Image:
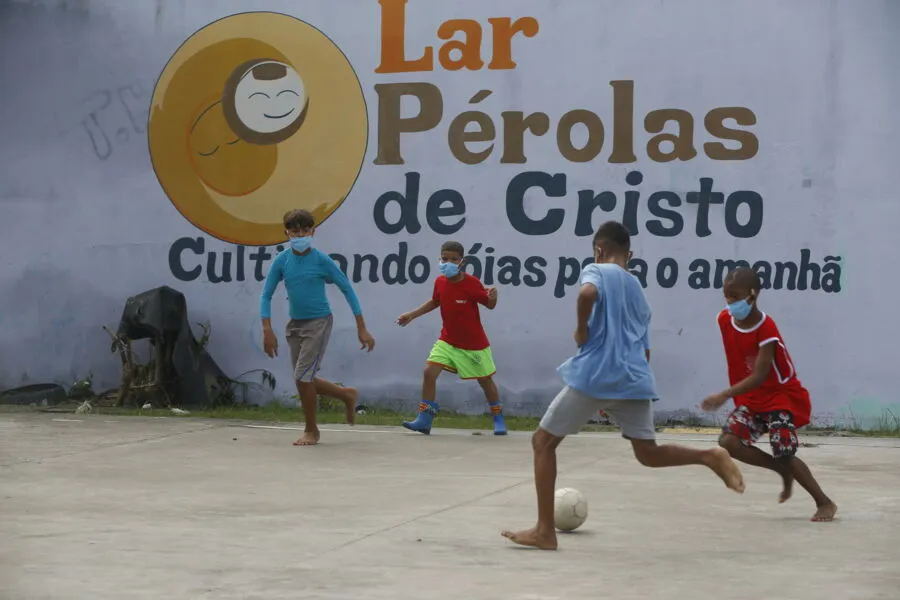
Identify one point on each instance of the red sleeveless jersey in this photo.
(782, 389)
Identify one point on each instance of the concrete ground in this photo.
(96, 507)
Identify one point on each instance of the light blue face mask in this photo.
(740, 310)
(449, 269)
(301, 244)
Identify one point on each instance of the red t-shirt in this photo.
(459, 310)
(781, 389)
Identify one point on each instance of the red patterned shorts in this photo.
(749, 426)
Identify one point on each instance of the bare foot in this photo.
(787, 491)
(825, 513)
(532, 538)
(727, 470)
(309, 438)
(350, 403)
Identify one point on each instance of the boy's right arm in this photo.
(587, 297)
(757, 377)
(427, 307)
(406, 318)
(273, 277)
(591, 280)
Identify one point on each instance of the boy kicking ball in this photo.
(609, 372)
(463, 347)
(768, 397)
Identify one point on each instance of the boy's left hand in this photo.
(713, 402)
(492, 293)
(367, 342)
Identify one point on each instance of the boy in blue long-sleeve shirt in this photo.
(305, 271)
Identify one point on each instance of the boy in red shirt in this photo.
(463, 347)
(768, 397)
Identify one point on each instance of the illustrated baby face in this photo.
(265, 101)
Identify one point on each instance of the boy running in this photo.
(609, 372)
(305, 270)
(768, 397)
(463, 348)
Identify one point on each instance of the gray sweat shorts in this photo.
(571, 410)
(308, 339)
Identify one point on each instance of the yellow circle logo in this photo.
(256, 114)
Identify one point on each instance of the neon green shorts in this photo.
(468, 364)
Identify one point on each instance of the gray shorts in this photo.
(308, 339)
(571, 410)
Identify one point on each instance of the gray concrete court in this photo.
(97, 507)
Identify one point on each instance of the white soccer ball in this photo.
(571, 509)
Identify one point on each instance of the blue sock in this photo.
(499, 422)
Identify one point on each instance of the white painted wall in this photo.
(84, 223)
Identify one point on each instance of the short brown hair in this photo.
(298, 219)
(614, 236)
(745, 277)
(454, 247)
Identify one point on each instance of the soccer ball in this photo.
(571, 509)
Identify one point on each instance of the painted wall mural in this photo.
(181, 133)
(254, 115)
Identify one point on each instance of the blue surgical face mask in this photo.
(740, 310)
(301, 244)
(449, 269)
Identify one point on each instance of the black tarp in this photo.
(160, 315)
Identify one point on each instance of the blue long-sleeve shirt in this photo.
(304, 277)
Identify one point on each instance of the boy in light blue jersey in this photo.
(609, 372)
(305, 271)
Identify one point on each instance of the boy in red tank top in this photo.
(768, 397)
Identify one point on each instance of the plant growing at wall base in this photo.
(82, 388)
(141, 381)
(228, 396)
(156, 382)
